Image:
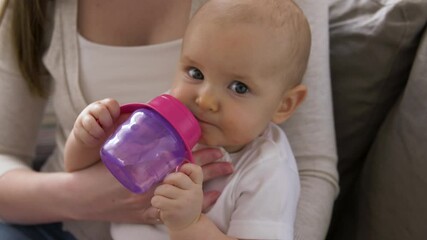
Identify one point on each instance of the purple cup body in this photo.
(143, 150)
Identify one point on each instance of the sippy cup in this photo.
(155, 140)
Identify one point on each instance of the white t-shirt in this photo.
(258, 201)
(143, 71)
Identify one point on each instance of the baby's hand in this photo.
(180, 197)
(96, 122)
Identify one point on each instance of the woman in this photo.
(127, 50)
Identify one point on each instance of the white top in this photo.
(146, 70)
(258, 201)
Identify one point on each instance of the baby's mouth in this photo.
(202, 121)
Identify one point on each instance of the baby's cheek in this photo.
(211, 138)
(205, 140)
(243, 134)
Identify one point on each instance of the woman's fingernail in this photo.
(218, 154)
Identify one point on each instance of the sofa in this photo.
(378, 58)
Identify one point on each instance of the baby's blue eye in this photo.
(239, 87)
(195, 73)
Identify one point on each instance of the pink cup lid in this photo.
(176, 113)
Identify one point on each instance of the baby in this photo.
(240, 74)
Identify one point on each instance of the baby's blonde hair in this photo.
(283, 17)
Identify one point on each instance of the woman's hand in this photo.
(206, 159)
(94, 194)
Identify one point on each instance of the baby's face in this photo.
(232, 80)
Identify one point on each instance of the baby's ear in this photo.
(290, 101)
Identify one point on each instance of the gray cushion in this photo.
(373, 44)
(393, 185)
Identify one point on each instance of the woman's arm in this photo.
(311, 133)
(31, 197)
(91, 194)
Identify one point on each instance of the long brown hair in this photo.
(29, 18)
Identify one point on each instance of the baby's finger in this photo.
(90, 124)
(168, 191)
(179, 180)
(113, 107)
(104, 119)
(163, 203)
(84, 136)
(193, 171)
(101, 113)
